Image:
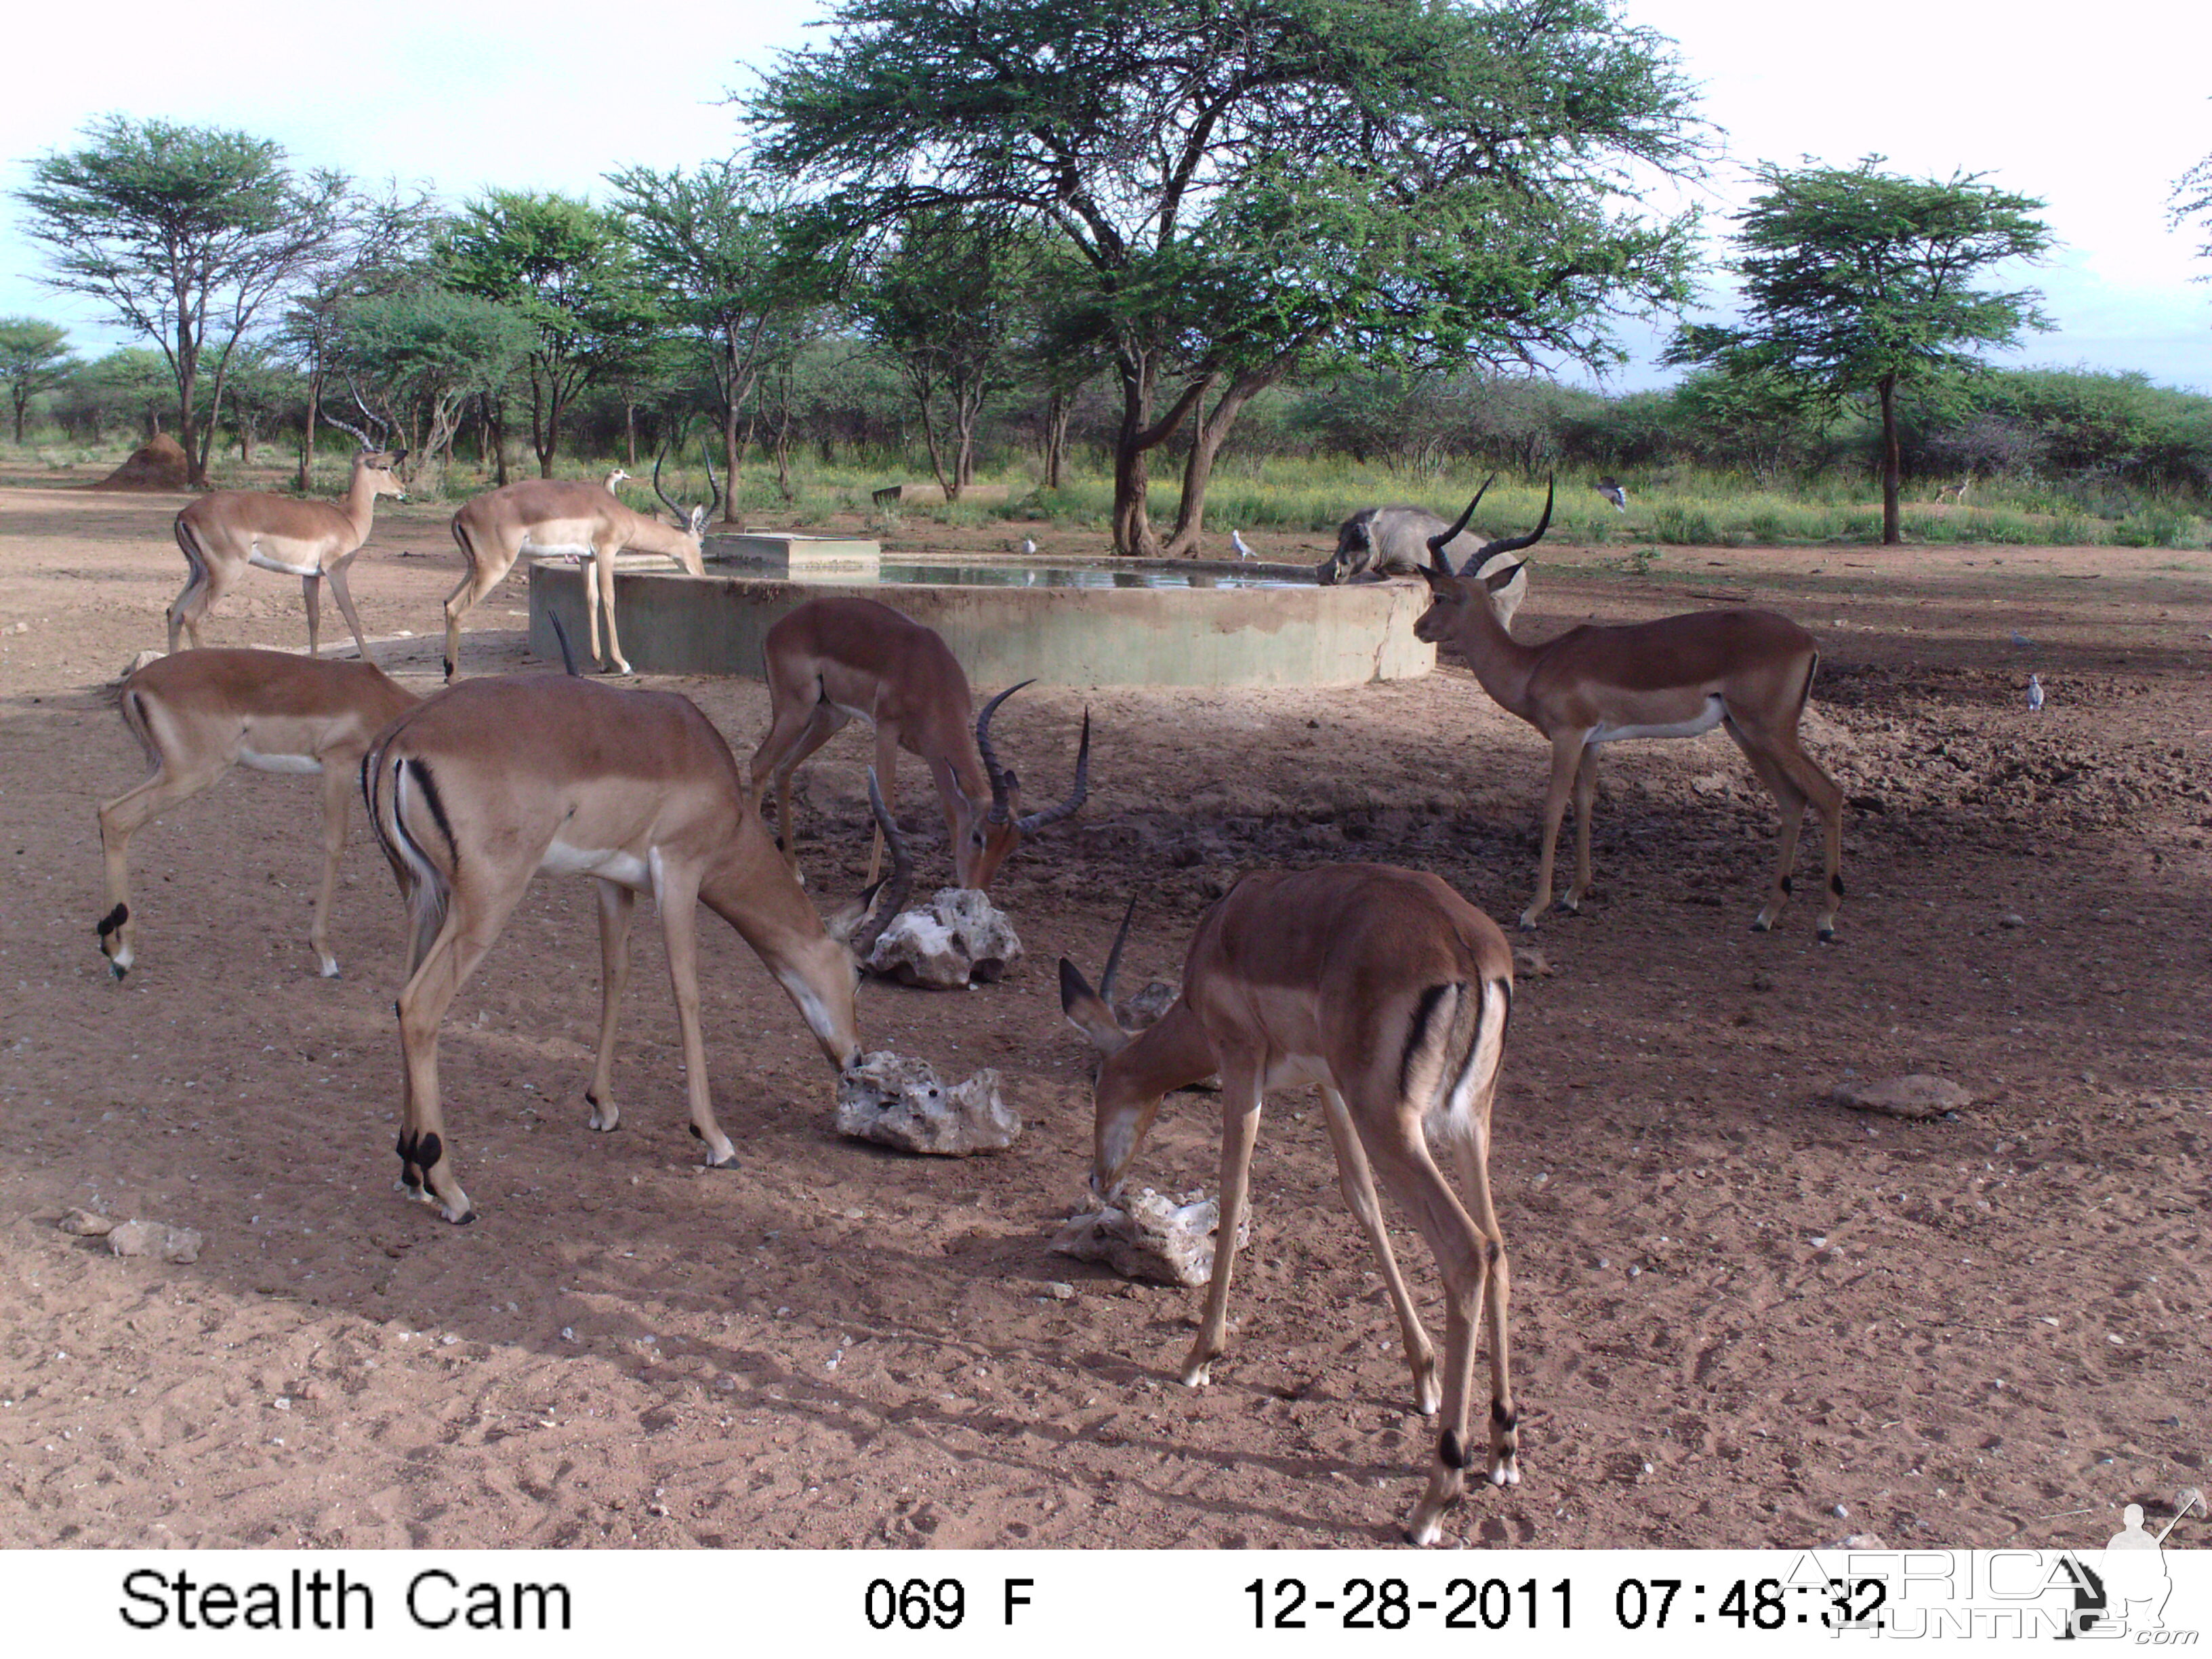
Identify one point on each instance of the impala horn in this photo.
(1003, 783)
(682, 517)
(714, 489)
(880, 904)
(1113, 956)
(1438, 558)
(1515, 543)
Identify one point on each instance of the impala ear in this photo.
(1498, 581)
(1088, 1012)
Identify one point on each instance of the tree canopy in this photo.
(34, 357)
(184, 234)
(1859, 282)
(1256, 184)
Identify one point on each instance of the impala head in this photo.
(1450, 594)
(693, 519)
(988, 832)
(1122, 1115)
(382, 468)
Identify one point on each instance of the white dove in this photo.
(1028, 546)
(1237, 541)
(2034, 694)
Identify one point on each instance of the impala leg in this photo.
(887, 786)
(207, 583)
(339, 775)
(1585, 800)
(678, 900)
(1791, 801)
(1566, 758)
(1401, 1158)
(816, 726)
(338, 574)
(120, 820)
(478, 580)
(617, 907)
(1240, 1127)
(473, 918)
(311, 594)
(1474, 1155)
(602, 585)
(1356, 1182)
(1827, 799)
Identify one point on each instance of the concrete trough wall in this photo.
(673, 623)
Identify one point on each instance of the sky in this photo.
(2098, 118)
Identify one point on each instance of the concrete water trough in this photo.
(1107, 623)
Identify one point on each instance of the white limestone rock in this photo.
(1150, 1237)
(1918, 1096)
(898, 1101)
(155, 1238)
(957, 939)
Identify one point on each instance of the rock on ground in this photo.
(155, 1238)
(959, 939)
(1150, 1237)
(1918, 1094)
(899, 1102)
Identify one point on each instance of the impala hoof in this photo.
(1527, 922)
(329, 968)
(1827, 935)
(117, 969)
(1761, 924)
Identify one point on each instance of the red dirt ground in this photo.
(1740, 1316)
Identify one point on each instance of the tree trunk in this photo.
(306, 479)
(1212, 430)
(1132, 476)
(1892, 534)
(629, 429)
(1058, 410)
(21, 397)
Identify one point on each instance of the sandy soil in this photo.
(1740, 1317)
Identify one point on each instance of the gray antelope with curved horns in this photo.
(834, 660)
(477, 789)
(223, 534)
(570, 519)
(1391, 993)
(1749, 671)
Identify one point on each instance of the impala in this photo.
(561, 518)
(1391, 993)
(834, 659)
(223, 533)
(477, 789)
(1747, 671)
(200, 713)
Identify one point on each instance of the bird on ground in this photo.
(1028, 546)
(1237, 541)
(2019, 638)
(1613, 493)
(2035, 695)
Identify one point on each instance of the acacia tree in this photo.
(568, 269)
(34, 357)
(423, 353)
(1858, 283)
(184, 234)
(1254, 184)
(723, 248)
(944, 306)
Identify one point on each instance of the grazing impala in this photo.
(481, 788)
(223, 533)
(200, 713)
(1749, 671)
(559, 517)
(1391, 993)
(834, 659)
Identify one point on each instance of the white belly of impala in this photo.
(625, 869)
(578, 550)
(1290, 1071)
(257, 557)
(1715, 711)
(300, 764)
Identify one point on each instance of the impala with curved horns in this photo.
(833, 660)
(1749, 671)
(569, 518)
(222, 534)
(1391, 993)
(479, 788)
